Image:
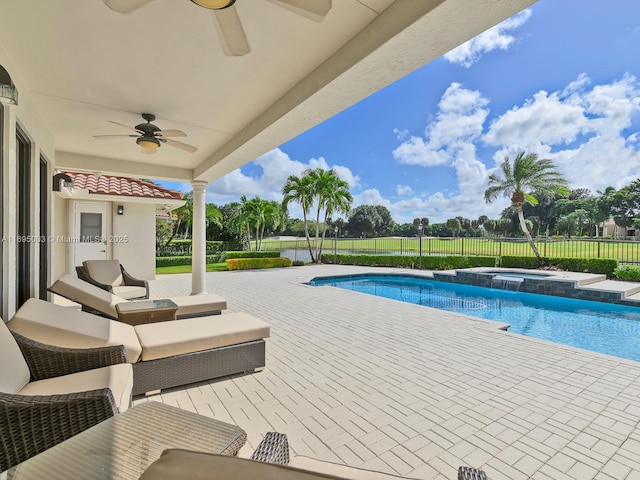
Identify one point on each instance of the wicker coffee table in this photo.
(125, 445)
(139, 312)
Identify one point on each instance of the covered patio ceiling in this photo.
(83, 64)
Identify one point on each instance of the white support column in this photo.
(198, 245)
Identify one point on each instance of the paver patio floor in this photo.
(405, 389)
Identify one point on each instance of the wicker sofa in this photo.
(101, 302)
(49, 394)
(176, 464)
(111, 276)
(165, 354)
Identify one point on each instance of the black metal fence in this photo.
(625, 251)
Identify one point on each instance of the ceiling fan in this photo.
(234, 40)
(150, 137)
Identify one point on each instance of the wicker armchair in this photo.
(31, 422)
(111, 276)
(274, 448)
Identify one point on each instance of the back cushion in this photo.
(104, 271)
(14, 371)
(87, 294)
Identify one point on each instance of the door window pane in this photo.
(90, 227)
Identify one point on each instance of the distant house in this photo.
(104, 217)
(610, 229)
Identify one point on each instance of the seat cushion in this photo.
(65, 327)
(180, 464)
(84, 293)
(198, 304)
(118, 378)
(14, 371)
(104, 271)
(130, 291)
(328, 468)
(167, 339)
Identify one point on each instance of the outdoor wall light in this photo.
(8, 91)
(148, 144)
(120, 209)
(61, 179)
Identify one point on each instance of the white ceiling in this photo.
(84, 64)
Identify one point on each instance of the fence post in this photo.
(545, 247)
(598, 248)
(462, 254)
(429, 245)
(500, 247)
(375, 246)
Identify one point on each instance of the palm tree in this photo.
(528, 174)
(333, 195)
(299, 190)
(329, 193)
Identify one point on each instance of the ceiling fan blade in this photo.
(125, 6)
(182, 146)
(121, 135)
(314, 10)
(128, 127)
(172, 132)
(232, 37)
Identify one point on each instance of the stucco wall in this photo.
(138, 252)
(28, 119)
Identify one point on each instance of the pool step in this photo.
(625, 289)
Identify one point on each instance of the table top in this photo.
(123, 446)
(145, 305)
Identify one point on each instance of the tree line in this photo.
(541, 205)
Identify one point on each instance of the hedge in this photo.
(254, 254)
(428, 262)
(183, 248)
(182, 260)
(605, 266)
(251, 263)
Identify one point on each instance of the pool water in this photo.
(600, 327)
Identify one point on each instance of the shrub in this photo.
(605, 266)
(249, 254)
(630, 273)
(298, 263)
(184, 260)
(251, 263)
(428, 262)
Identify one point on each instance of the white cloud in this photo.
(403, 190)
(276, 167)
(589, 126)
(496, 38)
(460, 118)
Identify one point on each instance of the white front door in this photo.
(90, 232)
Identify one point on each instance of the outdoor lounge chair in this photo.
(164, 354)
(111, 276)
(176, 464)
(48, 393)
(100, 302)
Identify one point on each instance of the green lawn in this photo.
(623, 251)
(211, 267)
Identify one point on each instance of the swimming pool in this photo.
(599, 327)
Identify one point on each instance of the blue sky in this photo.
(561, 79)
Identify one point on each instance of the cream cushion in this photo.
(181, 464)
(107, 272)
(118, 378)
(306, 463)
(65, 327)
(130, 291)
(14, 371)
(196, 304)
(84, 293)
(167, 339)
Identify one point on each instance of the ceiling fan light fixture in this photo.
(214, 4)
(148, 145)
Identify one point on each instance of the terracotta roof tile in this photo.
(121, 186)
